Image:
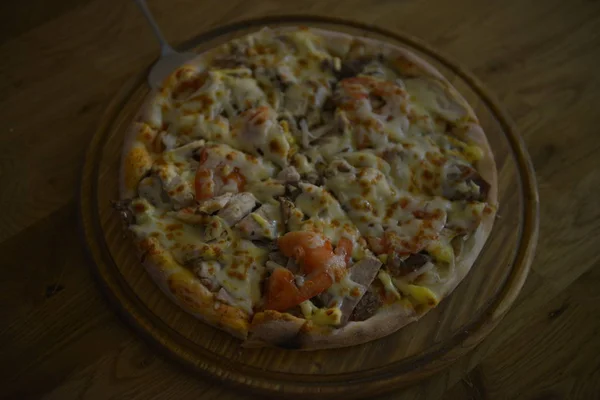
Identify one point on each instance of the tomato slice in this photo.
(310, 249)
(344, 247)
(315, 254)
(282, 293)
(315, 284)
(377, 245)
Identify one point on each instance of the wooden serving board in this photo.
(458, 324)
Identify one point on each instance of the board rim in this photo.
(379, 379)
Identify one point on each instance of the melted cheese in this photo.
(342, 289)
(321, 316)
(242, 262)
(242, 276)
(366, 194)
(263, 103)
(252, 168)
(420, 294)
(430, 95)
(325, 215)
(386, 280)
(441, 251)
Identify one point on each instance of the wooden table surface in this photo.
(62, 61)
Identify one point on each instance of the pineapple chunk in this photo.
(473, 153)
(420, 294)
(321, 316)
(441, 252)
(264, 224)
(386, 280)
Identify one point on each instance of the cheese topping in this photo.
(241, 263)
(293, 131)
(321, 316)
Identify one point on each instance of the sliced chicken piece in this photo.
(266, 190)
(224, 297)
(189, 216)
(314, 178)
(206, 271)
(287, 207)
(322, 130)
(308, 135)
(185, 152)
(215, 229)
(260, 134)
(461, 182)
(215, 204)
(288, 175)
(296, 99)
(179, 189)
(238, 207)
(342, 121)
(437, 98)
(292, 216)
(150, 188)
(261, 224)
(201, 214)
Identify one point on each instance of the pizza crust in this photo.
(474, 244)
(136, 161)
(271, 328)
(182, 287)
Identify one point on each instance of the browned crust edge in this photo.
(270, 328)
(136, 161)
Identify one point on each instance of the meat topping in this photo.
(400, 267)
(366, 307)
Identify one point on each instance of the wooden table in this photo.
(63, 60)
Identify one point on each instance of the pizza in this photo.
(307, 189)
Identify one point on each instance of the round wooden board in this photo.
(458, 324)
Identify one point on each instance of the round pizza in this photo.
(307, 189)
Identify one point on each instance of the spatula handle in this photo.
(164, 45)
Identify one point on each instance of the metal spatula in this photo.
(169, 58)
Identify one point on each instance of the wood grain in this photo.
(437, 340)
(61, 65)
